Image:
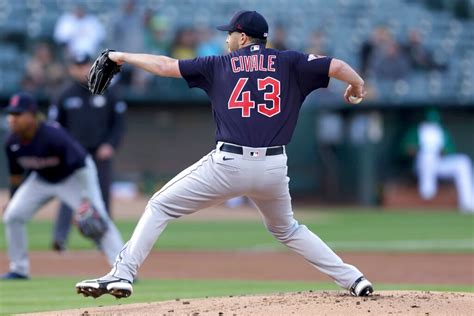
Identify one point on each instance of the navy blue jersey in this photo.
(52, 153)
(256, 93)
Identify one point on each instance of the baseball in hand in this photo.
(355, 100)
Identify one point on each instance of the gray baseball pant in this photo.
(216, 178)
(34, 192)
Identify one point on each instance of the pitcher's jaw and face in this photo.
(236, 40)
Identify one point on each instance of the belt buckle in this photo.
(250, 153)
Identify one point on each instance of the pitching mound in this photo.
(301, 303)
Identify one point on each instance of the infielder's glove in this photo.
(101, 73)
(89, 222)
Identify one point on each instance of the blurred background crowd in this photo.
(413, 54)
(408, 50)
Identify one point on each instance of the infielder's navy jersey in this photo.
(256, 93)
(52, 153)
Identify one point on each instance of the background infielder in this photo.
(256, 95)
(56, 166)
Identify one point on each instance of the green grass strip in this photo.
(43, 294)
(348, 229)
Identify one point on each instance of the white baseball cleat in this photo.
(361, 287)
(120, 288)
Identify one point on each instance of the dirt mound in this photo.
(301, 303)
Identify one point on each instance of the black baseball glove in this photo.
(102, 72)
(89, 222)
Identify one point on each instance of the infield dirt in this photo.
(301, 303)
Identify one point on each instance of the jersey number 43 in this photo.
(246, 104)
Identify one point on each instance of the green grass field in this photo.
(342, 230)
(43, 294)
(350, 230)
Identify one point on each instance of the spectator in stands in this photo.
(97, 123)
(278, 40)
(127, 35)
(383, 64)
(43, 72)
(207, 44)
(156, 33)
(419, 56)
(379, 38)
(79, 32)
(127, 28)
(432, 149)
(389, 63)
(184, 44)
(317, 43)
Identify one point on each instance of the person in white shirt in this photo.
(79, 32)
(435, 158)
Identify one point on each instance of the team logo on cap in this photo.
(14, 100)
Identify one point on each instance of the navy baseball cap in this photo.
(20, 103)
(251, 23)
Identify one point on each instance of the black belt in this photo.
(272, 151)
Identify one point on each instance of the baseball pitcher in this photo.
(256, 95)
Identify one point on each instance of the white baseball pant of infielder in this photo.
(35, 192)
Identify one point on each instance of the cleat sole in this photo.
(120, 293)
(89, 291)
